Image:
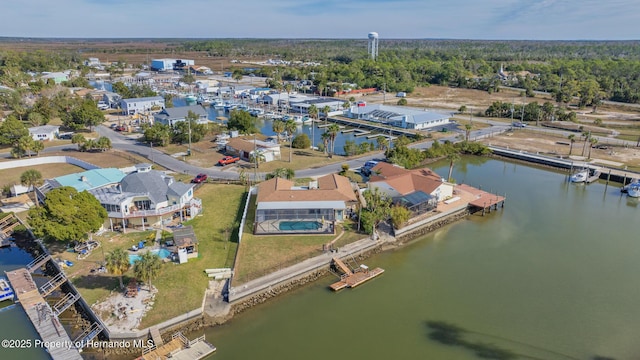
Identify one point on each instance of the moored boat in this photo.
(6, 292)
(634, 190)
(580, 176)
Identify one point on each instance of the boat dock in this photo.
(484, 201)
(53, 335)
(362, 133)
(179, 348)
(351, 279)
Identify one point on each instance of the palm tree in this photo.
(333, 131)
(278, 128)
(31, 179)
(592, 142)
(452, 157)
(290, 127)
(256, 157)
(325, 111)
(147, 268)
(117, 263)
(284, 173)
(572, 139)
(467, 131)
(313, 114)
(326, 138)
(587, 136)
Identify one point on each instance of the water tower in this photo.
(373, 45)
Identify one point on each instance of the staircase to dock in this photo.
(63, 304)
(155, 336)
(342, 266)
(53, 284)
(38, 262)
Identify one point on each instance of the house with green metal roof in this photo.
(88, 180)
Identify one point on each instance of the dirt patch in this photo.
(124, 314)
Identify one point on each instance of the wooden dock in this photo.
(483, 200)
(180, 348)
(362, 133)
(59, 345)
(351, 279)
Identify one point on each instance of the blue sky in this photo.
(452, 19)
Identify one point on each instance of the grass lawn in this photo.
(180, 287)
(48, 171)
(263, 254)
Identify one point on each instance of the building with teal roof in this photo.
(89, 180)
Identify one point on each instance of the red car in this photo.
(228, 160)
(199, 178)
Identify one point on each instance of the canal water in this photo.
(550, 276)
(14, 322)
(266, 128)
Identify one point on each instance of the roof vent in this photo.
(83, 178)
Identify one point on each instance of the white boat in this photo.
(6, 292)
(580, 176)
(634, 190)
(218, 104)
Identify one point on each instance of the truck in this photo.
(228, 160)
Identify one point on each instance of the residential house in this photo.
(147, 198)
(419, 190)
(57, 77)
(282, 207)
(137, 105)
(173, 115)
(46, 132)
(404, 117)
(244, 149)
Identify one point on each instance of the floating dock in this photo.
(362, 133)
(351, 279)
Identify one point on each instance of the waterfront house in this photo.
(244, 149)
(418, 190)
(46, 132)
(399, 116)
(282, 207)
(138, 105)
(140, 199)
(171, 116)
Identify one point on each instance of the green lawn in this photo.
(180, 287)
(262, 254)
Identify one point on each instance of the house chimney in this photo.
(83, 178)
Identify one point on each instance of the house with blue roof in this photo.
(88, 180)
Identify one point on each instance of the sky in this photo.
(324, 19)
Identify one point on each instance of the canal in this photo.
(550, 276)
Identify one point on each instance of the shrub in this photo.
(301, 141)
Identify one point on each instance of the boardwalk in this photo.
(483, 199)
(59, 345)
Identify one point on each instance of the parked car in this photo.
(228, 160)
(519, 124)
(366, 168)
(121, 128)
(199, 178)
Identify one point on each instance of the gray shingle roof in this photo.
(182, 111)
(152, 183)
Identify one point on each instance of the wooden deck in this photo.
(351, 279)
(43, 319)
(483, 199)
(355, 279)
(180, 348)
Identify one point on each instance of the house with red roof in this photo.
(283, 207)
(419, 190)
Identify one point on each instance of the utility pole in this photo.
(189, 151)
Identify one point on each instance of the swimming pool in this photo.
(299, 225)
(162, 253)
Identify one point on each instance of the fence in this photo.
(47, 160)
